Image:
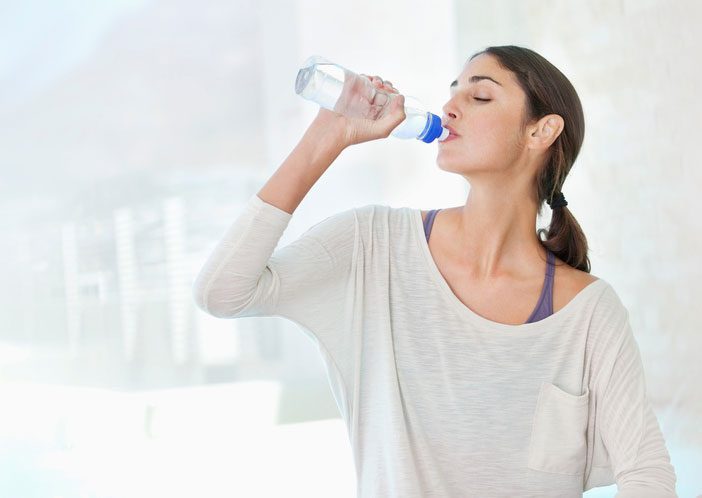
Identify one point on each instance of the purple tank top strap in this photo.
(551, 267)
(429, 222)
(544, 307)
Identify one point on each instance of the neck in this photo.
(495, 236)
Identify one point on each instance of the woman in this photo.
(480, 361)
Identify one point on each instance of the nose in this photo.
(449, 109)
(448, 117)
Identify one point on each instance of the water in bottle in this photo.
(340, 90)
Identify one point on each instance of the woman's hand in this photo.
(388, 115)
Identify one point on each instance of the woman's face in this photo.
(487, 116)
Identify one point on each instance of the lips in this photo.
(452, 132)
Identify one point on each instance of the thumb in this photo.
(396, 112)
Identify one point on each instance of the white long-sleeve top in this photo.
(439, 401)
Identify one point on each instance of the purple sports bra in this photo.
(544, 307)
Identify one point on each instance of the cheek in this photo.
(490, 133)
(500, 130)
(487, 120)
(488, 140)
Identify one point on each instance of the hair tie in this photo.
(557, 201)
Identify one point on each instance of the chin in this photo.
(467, 171)
(463, 162)
(455, 165)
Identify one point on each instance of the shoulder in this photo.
(573, 280)
(609, 330)
(341, 224)
(610, 315)
(426, 213)
(568, 283)
(375, 212)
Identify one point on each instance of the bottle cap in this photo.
(433, 129)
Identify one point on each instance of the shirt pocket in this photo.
(558, 442)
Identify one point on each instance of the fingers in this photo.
(385, 84)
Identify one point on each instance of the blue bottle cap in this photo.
(433, 129)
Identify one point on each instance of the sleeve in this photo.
(630, 430)
(305, 281)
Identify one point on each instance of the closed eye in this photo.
(482, 100)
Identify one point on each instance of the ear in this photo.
(545, 131)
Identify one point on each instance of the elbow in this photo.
(222, 300)
(644, 492)
(203, 294)
(207, 292)
(203, 302)
(654, 481)
(199, 297)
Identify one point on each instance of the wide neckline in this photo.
(479, 320)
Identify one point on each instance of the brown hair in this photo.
(548, 91)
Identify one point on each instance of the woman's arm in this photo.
(317, 150)
(244, 277)
(630, 431)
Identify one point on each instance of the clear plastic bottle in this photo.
(324, 82)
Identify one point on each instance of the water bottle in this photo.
(324, 82)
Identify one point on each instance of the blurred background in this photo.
(132, 132)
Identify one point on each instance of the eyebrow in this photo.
(474, 79)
